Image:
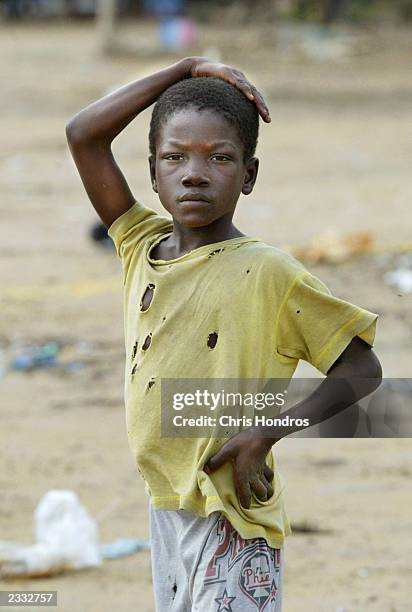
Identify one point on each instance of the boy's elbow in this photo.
(359, 361)
(82, 132)
(374, 370)
(368, 367)
(81, 129)
(74, 131)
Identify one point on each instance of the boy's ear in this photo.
(152, 167)
(252, 167)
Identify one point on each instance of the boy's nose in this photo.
(195, 175)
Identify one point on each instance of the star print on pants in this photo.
(273, 591)
(224, 602)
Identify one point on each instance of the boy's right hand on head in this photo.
(204, 67)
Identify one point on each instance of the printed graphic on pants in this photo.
(244, 568)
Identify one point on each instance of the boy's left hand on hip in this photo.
(247, 451)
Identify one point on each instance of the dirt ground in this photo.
(337, 155)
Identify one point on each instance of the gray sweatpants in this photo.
(204, 565)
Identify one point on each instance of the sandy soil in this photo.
(337, 155)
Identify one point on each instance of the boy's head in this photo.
(202, 139)
(214, 95)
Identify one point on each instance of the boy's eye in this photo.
(173, 156)
(220, 157)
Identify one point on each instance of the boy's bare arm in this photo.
(354, 375)
(91, 132)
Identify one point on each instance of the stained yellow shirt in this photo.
(248, 293)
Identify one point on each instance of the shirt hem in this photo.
(214, 504)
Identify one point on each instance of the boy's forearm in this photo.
(330, 398)
(346, 384)
(103, 120)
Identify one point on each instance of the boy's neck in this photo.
(184, 239)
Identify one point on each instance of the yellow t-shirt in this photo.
(246, 292)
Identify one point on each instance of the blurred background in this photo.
(334, 189)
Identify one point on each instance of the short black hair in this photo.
(213, 94)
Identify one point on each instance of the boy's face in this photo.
(199, 172)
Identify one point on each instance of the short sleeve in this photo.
(316, 326)
(133, 228)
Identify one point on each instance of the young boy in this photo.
(205, 301)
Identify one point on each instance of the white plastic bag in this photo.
(66, 537)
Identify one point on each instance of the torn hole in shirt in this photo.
(147, 297)
(215, 252)
(147, 342)
(212, 340)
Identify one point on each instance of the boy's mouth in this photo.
(193, 197)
